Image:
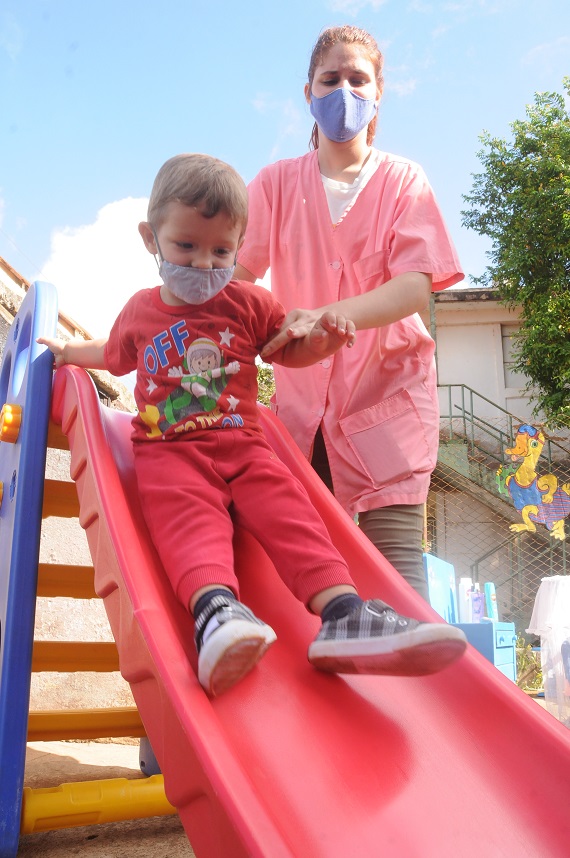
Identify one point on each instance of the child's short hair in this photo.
(202, 181)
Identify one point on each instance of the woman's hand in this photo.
(297, 324)
(308, 336)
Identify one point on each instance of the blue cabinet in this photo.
(496, 641)
(440, 577)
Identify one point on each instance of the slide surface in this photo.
(292, 762)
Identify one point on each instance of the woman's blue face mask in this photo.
(341, 114)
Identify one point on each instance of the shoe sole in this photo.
(230, 653)
(426, 649)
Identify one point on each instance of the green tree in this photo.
(522, 203)
(266, 383)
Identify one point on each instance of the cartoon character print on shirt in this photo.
(205, 376)
(194, 403)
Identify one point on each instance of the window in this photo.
(512, 377)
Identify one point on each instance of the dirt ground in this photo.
(53, 763)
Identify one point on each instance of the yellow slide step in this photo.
(93, 802)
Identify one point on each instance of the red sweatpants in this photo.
(194, 492)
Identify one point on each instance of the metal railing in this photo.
(486, 426)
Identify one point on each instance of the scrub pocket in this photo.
(388, 440)
(374, 266)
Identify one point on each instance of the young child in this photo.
(201, 461)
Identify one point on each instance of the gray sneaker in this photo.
(230, 641)
(374, 639)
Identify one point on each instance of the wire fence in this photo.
(475, 514)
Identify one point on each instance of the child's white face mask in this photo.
(194, 285)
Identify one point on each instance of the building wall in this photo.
(474, 348)
(471, 339)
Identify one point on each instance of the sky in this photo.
(94, 97)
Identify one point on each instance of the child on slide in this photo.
(201, 461)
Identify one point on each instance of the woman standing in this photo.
(351, 226)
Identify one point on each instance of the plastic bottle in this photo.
(477, 604)
(491, 601)
(465, 585)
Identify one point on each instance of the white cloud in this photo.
(402, 88)
(440, 31)
(289, 119)
(353, 7)
(548, 54)
(487, 7)
(11, 38)
(420, 6)
(263, 103)
(97, 267)
(287, 109)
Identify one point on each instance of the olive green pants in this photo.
(396, 531)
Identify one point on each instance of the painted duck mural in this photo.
(538, 498)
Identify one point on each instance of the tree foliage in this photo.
(522, 203)
(266, 383)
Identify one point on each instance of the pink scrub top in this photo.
(377, 402)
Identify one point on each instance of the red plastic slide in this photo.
(292, 762)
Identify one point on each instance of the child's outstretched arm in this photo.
(86, 353)
(396, 299)
(329, 333)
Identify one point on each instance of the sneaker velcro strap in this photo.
(215, 603)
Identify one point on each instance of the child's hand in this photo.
(56, 347)
(79, 352)
(330, 333)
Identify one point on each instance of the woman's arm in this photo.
(400, 297)
(86, 353)
(396, 299)
(242, 273)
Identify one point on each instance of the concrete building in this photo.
(475, 337)
(482, 403)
